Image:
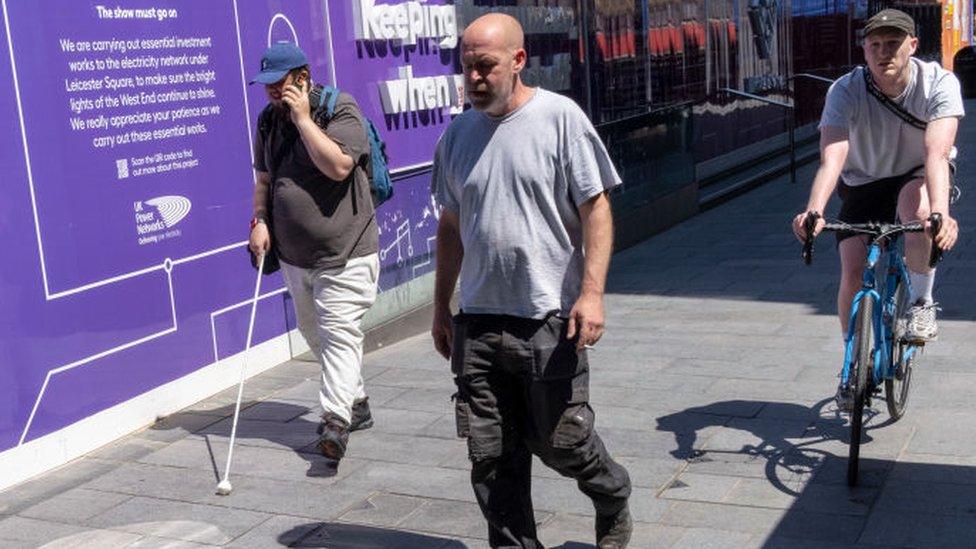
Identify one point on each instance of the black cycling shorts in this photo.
(876, 202)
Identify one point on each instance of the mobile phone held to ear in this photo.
(298, 82)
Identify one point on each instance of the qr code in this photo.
(123, 167)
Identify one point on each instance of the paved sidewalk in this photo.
(711, 385)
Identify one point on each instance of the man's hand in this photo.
(799, 226)
(948, 234)
(586, 319)
(443, 332)
(260, 240)
(297, 100)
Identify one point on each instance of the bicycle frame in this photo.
(883, 315)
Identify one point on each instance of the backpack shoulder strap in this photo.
(330, 96)
(887, 102)
(323, 100)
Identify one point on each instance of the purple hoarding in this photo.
(126, 152)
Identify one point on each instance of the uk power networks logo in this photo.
(156, 218)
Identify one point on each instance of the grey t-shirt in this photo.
(880, 143)
(318, 222)
(516, 183)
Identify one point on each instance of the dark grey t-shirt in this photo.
(516, 183)
(318, 222)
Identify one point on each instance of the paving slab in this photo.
(153, 542)
(576, 531)
(22, 531)
(452, 518)
(383, 510)
(706, 538)
(276, 531)
(178, 520)
(75, 506)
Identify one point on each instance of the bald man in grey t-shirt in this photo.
(888, 167)
(526, 223)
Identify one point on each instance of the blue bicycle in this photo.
(875, 348)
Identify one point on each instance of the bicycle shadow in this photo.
(789, 437)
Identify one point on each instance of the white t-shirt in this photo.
(516, 182)
(882, 144)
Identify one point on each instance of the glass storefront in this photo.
(652, 74)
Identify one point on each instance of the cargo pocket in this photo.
(555, 356)
(558, 364)
(574, 427)
(462, 416)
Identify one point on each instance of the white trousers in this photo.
(330, 304)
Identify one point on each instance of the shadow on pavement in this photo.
(284, 426)
(353, 536)
(791, 449)
(913, 500)
(919, 505)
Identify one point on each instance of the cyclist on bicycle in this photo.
(894, 159)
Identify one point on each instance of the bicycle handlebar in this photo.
(876, 230)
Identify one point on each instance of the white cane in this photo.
(224, 487)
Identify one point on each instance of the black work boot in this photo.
(613, 531)
(334, 433)
(361, 416)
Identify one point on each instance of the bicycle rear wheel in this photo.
(859, 380)
(896, 388)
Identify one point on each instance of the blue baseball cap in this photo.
(277, 61)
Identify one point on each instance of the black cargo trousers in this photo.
(523, 389)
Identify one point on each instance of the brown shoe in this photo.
(613, 531)
(334, 433)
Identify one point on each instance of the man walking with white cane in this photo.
(313, 190)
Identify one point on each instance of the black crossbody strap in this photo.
(886, 101)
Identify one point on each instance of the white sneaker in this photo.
(920, 325)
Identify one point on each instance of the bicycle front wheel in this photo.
(896, 388)
(860, 375)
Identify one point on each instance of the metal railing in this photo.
(790, 119)
(813, 77)
(790, 108)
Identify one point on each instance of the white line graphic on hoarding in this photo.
(215, 314)
(174, 216)
(247, 111)
(168, 268)
(23, 138)
(429, 258)
(328, 33)
(403, 231)
(281, 16)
